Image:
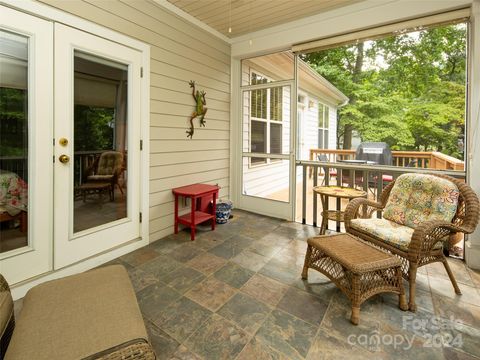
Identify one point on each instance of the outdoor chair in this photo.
(107, 168)
(419, 213)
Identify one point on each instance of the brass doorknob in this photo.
(64, 159)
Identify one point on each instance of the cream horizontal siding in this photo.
(180, 52)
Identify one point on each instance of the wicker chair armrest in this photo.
(353, 207)
(4, 284)
(428, 234)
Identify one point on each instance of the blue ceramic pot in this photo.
(223, 211)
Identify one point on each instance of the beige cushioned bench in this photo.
(86, 316)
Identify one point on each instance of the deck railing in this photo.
(370, 178)
(82, 160)
(418, 159)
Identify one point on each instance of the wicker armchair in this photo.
(420, 242)
(107, 168)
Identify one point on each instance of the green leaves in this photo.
(409, 90)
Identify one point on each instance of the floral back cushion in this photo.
(416, 198)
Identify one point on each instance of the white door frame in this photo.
(58, 16)
(252, 203)
(70, 246)
(26, 262)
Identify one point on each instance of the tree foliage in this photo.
(407, 90)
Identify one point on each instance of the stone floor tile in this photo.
(183, 353)
(163, 345)
(401, 344)
(211, 293)
(141, 279)
(206, 263)
(154, 299)
(182, 317)
(457, 311)
(245, 311)
(234, 275)
(475, 275)
(458, 267)
(336, 322)
(287, 334)
(453, 354)
(265, 289)
(161, 266)
(463, 338)
(277, 270)
(277, 238)
(140, 256)
(307, 307)
(250, 260)
(255, 350)
(170, 242)
(273, 304)
(443, 287)
(186, 252)
(183, 278)
(230, 248)
(217, 339)
(264, 248)
(317, 284)
(327, 346)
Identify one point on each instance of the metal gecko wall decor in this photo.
(200, 108)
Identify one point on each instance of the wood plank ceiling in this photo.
(245, 16)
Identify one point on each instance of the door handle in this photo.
(64, 159)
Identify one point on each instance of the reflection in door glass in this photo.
(13, 141)
(100, 141)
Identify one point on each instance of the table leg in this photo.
(214, 210)
(176, 214)
(323, 227)
(192, 218)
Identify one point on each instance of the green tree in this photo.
(407, 90)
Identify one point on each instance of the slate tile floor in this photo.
(236, 293)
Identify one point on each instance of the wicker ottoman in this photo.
(358, 269)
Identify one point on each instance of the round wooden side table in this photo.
(338, 192)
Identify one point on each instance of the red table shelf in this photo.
(201, 195)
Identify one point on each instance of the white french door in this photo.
(26, 129)
(97, 145)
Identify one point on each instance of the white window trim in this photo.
(323, 127)
(268, 121)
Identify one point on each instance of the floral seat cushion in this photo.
(390, 232)
(416, 198)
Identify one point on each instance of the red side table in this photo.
(201, 195)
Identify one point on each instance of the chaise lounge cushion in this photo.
(417, 198)
(6, 310)
(77, 317)
(393, 234)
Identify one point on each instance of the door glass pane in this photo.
(100, 141)
(269, 181)
(13, 141)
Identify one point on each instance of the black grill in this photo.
(379, 152)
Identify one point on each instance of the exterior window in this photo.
(323, 125)
(266, 114)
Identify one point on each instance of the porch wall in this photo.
(180, 52)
